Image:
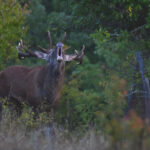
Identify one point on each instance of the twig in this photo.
(138, 28)
(132, 31)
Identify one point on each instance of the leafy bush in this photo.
(12, 17)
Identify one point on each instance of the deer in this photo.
(35, 85)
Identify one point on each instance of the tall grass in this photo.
(27, 133)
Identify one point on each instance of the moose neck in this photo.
(55, 69)
(53, 76)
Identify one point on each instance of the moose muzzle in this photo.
(59, 54)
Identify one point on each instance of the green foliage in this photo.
(94, 92)
(12, 18)
(37, 24)
(112, 32)
(82, 107)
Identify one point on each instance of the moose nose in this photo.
(59, 54)
(59, 58)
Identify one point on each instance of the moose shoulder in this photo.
(37, 84)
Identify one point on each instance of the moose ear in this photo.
(41, 55)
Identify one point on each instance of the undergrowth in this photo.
(25, 132)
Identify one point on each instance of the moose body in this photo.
(31, 85)
(37, 84)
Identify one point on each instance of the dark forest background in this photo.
(94, 94)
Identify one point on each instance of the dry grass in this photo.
(24, 133)
(15, 138)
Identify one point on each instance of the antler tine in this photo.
(29, 53)
(50, 40)
(80, 55)
(67, 48)
(21, 42)
(63, 39)
(83, 48)
(20, 45)
(43, 49)
(21, 54)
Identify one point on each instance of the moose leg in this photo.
(52, 131)
(1, 111)
(36, 112)
(15, 105)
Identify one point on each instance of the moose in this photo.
(33, 85)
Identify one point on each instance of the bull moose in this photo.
(33, 85)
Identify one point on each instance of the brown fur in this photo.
(31, 85)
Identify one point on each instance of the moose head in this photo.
(54, 56)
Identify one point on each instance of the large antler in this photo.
(78, 56)
(64, 37)
(50, 40)
(50, 44)
(28, 53)
(37, 54)
(24, 54)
